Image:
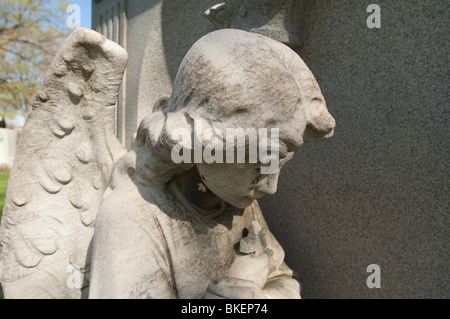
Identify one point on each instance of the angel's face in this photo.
(240, 184)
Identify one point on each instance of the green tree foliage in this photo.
(30, 33)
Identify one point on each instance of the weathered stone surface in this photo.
(68, 141)
(159, 34)
(165, 229)
(160, 235)
(276, 19)
(377, 192)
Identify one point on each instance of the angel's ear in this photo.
(161, 104)
(177, 130)
(320, 124)
(150, 129)
(160, 132)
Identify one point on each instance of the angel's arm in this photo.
(130, 258)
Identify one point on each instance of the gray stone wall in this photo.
(157, 36)
(377, 192)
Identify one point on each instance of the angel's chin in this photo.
(242, 203)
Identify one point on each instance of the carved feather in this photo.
(62, 167)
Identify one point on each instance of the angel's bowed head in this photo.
(84, 217)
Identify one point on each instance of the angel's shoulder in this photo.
(132, 204)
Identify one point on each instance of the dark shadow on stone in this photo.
(183, 23)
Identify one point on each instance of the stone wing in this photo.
(63, 165)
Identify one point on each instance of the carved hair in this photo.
(229, 79)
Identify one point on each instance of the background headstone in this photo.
(377, 192)
(8, 146)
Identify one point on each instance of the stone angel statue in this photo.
(177, 215)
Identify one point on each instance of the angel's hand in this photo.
(252, 262)
(248, 272)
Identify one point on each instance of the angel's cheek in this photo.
(220, 179)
